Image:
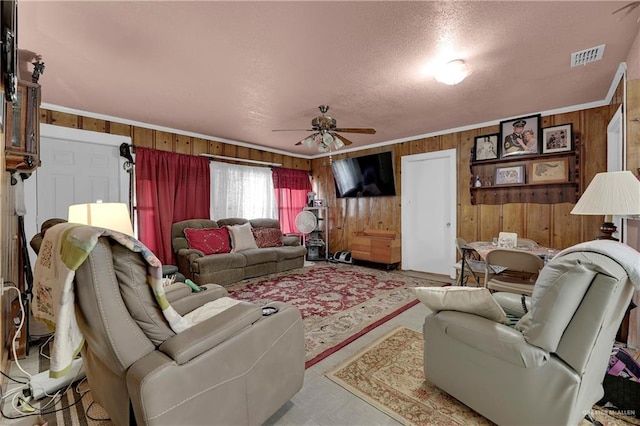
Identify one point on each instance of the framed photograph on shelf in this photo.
(549, 171)
(486, 147)
(512, 175)
(520, 136)
(557, 139)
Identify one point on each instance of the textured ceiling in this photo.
(237, 70)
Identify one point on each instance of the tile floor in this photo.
(322, 402)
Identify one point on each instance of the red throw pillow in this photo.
(267, 237)
(208, 241)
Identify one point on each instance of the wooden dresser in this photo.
(376, 246)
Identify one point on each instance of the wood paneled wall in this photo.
(172, 142)
(548, 224)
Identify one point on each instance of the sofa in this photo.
(237, 262)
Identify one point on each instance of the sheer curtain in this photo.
(291, 195)
(170, 187)
(241, 191)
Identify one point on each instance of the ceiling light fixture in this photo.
(453, 72)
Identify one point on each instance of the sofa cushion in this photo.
(258, 256)
(241, 237)
(131, 273)
(288, 252)
(208, 241)
(267, 237)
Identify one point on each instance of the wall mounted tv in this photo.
(365, 176)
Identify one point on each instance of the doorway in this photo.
(429, 189)
(616, 159)
(78, 166)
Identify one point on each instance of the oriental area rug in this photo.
(338, 302)
(388, 374)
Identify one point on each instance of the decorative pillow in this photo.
(208, 241)
(267, 237)
(472, 300)
(241, 237)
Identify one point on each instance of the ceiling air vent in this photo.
(588, 55)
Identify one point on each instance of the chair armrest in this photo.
(511, 303)
(292, 239)
(492, 338)
(190, 253)
(211, 332)
(184, 300)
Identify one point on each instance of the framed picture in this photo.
(557, 139)
(520, 136)
(549, 171)
(486, 147)
(511, 175)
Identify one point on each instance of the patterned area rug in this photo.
(339, 302)
(388, 374)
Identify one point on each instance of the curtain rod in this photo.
(222, 157)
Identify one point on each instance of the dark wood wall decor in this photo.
(529, 191)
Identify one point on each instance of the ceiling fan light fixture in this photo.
(338, 143)
(327, 140)
(308, 141)
(453, 72)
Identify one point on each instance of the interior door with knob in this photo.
(429, 191)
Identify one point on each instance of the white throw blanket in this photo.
(64, 248)
(625, 255)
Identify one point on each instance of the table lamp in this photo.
(608, 194)
(114, 216)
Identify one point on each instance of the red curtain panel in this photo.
(291, 188)
(170, 187)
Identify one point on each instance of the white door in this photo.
(429, 191)
(615, 158)
(78, 166)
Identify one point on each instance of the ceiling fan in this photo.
(325, 135)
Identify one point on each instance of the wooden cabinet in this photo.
(22, 128)
(531, 186)
(376, 246)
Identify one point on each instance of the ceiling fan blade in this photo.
(292, 130)
(345, 140)
(351, 130)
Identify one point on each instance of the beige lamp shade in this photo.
(114, 216)
(610, 193)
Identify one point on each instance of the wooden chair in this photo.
(521, 272)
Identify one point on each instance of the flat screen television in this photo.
(365, 176)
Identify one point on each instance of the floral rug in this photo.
(339, 302)
(388, 374)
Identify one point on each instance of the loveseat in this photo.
(270, 252)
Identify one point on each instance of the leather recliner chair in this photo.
(237, 367)
(549, 369)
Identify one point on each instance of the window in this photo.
(241, 191)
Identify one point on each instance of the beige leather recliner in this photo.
(236, 368)
(549, 369)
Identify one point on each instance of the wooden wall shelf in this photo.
(527, 192)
